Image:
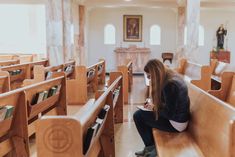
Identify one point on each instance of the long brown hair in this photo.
(159, 76)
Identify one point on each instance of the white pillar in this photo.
(193, 22)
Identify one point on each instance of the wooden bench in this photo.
(6, 57)
(13, 130)
(127, 71)
(210, 133)
(24, 58)
(20, 72)
(73, 129)
(4, 82)
(54, 105)
(85, 78)
(218, 68)
(196, 74)
(226, 92)
(42, 73)
(9, 62)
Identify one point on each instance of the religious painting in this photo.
(132, 28)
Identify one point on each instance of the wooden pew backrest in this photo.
(18, 73)
(211, 123)
(231, 92)
(14, 127)
(9, 62)
(4, 82)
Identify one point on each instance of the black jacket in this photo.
(176, 100)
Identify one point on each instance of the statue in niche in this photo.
(220, 34)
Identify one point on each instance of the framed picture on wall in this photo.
(132, 28)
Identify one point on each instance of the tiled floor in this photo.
(127, 140)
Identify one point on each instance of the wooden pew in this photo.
(226, 92)
(4, 82)
(84, 78)
(24, 58)
(127, 71)
(210, 132)
(13, 130)
(9, 62)
(54, 105)
(5, 57)
(196, 74)
(68, 68)
(218, 68)
(20, 72)
(42, 73)
(73, 129)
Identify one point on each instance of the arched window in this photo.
(109, 34)
(155, 35)
(201, 36)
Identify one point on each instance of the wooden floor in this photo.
(126, 136)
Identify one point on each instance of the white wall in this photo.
(99, 17)
(23, 28)
(211, 20)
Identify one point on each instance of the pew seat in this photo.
(169, 145)
(210, 132)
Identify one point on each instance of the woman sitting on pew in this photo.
(168, 108)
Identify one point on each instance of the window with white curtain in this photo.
(155, 35)
(109, 34)
(201, 36)
(22, 28)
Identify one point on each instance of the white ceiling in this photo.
(155, 3)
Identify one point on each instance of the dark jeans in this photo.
(145, 121)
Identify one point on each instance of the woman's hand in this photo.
(149, 105)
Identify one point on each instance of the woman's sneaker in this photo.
(145, 151)
(152, 153)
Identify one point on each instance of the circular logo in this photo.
(58, 139)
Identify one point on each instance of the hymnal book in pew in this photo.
(103, 112)
(10, 110)
(6, 112)
(38, 97)
(3, 112)
(58, 87)
(91, 132)
(48, 75)
(45, 95)
(52, 92)
(116, 94)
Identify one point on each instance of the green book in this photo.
(9, 112)
(45, 95)
(3, 112)
(52, 92)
